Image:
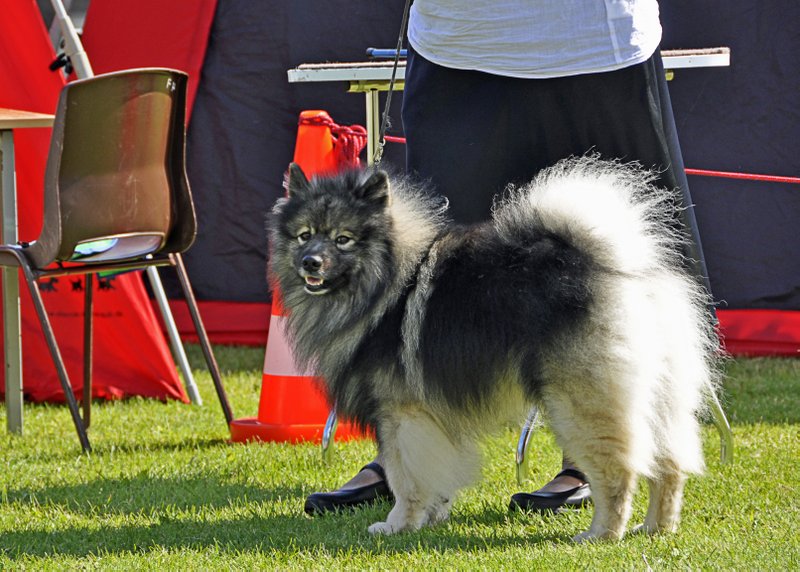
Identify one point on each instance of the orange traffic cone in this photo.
(292, 406)
(314, 148)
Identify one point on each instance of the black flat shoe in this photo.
(547, 502)
(319, 503)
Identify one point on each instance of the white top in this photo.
(535, 38)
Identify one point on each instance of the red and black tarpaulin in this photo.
(741, 118)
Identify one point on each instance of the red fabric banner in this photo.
(123, 34)
(233, 323)
(760, 332)
(131, 356)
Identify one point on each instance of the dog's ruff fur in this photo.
(572, 298)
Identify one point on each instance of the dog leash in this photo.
(385, 117)
(329, 430)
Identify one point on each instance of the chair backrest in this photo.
(115, 185)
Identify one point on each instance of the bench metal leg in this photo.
(328, 434)
(724, 429)
(531, 423)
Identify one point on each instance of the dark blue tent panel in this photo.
(742, 118)
(745, 118)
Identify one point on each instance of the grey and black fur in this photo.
(571, 298)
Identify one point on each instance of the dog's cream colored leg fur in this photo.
(666, 497)
(424, 467)
(612, 493)
(600, 436)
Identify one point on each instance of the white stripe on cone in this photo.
(279, 359)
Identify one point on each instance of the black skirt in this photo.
(472, 133)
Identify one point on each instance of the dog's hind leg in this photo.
(602, 445)
(424, 467)
(613, 486)
(666, 497)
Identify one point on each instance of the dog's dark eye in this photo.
(343, 240)
(303, 237)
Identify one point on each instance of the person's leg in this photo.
(366, 476)
(470, 134)
(568, 489)
(623, 115)
(367, 486)
(567, 479)
(460, 127)
(627, 115)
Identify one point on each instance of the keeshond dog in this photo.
(572, 298)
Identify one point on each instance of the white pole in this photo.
(72, 43)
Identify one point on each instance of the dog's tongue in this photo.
(311, 281)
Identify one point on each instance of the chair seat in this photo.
(118, 248)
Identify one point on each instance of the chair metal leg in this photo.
(205, 344)
(172, 333)
(328, 434)
(55, 354)
(724, 429)
(88, 309)
(522, 445)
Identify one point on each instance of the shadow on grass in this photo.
(73, 450)
(253, 532)
(280, 533)
(147, 495)
(174, 507)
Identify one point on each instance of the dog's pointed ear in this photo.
(296, 182)
(375, 188)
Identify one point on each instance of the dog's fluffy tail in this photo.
(608, 208)
(614, 213)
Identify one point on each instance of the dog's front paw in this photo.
(381, 528)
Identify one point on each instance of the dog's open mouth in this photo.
(315, 285)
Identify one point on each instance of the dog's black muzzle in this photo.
(311, 263)
(313, 273)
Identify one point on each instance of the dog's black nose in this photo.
(312, 263)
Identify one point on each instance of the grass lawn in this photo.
(165, 490)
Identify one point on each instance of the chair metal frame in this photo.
(53, 254)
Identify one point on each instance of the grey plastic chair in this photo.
(116, 198)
